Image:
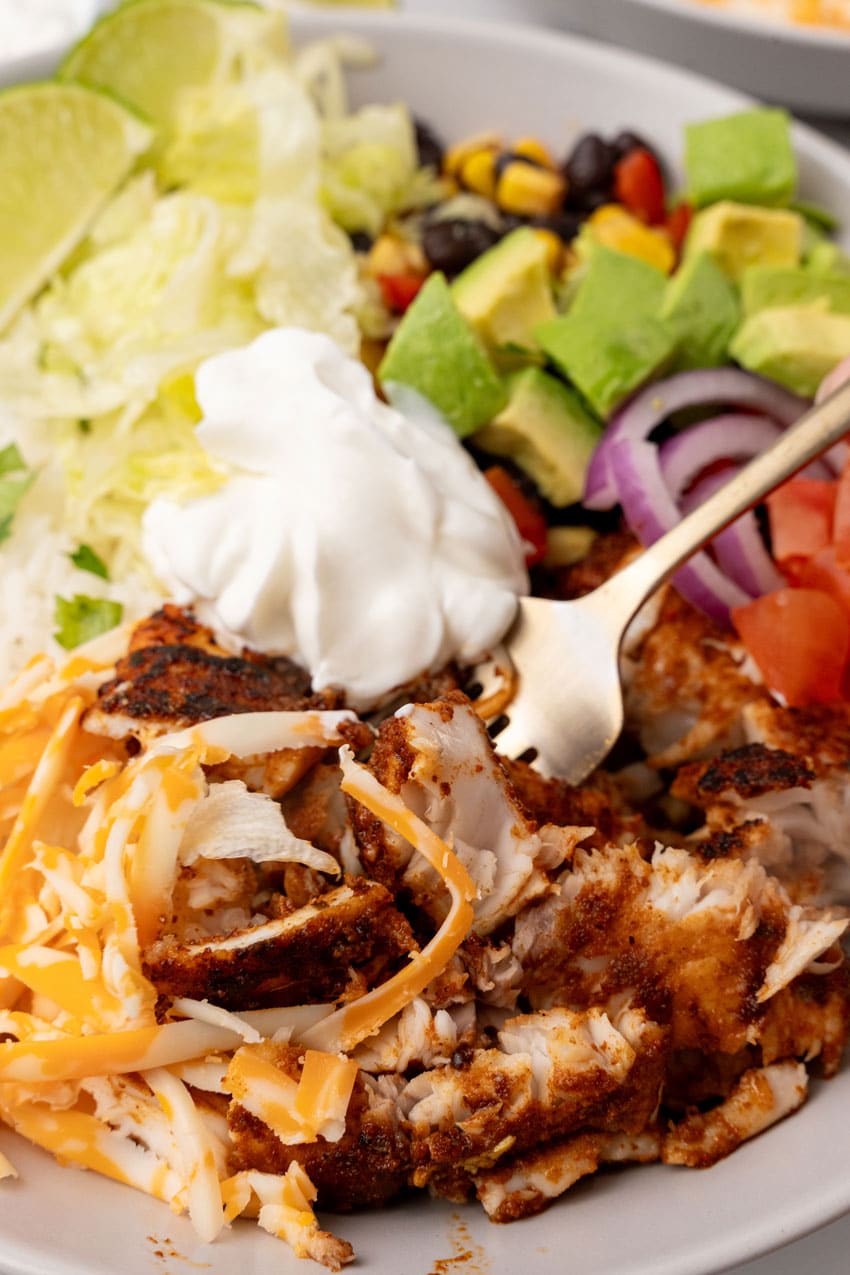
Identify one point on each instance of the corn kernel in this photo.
(529, 191)
(390, 255)
(478, 173)
(554, 248)
(567, 545)
(616, 228)
(456, 156)
(533, 149)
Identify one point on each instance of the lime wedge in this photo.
(148, 51)
(64, 150)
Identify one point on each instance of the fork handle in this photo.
(816, 431)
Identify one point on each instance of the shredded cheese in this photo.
(58, 977)
(348, 1026)
(284, 1207)
(296, 1111)
(196, 1151)
(14, 880)
(75, 1137)
(75, 1057)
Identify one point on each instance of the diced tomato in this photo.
(679, 223)
(398, 290)
(799, 638)
(639, 186)
(823, 572)
(800, 513)
(530, 521)
(841, 521)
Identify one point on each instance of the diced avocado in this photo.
(768, 288)
(748, 157)
(738, 236)
(794, 345)
(828, 258)
(611, 339)
(701, 306)
(547, 431)
(436, 352)
(507, 291)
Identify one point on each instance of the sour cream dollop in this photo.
(360, 541)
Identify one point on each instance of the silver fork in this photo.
(569, 704)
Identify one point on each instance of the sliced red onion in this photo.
(739, 549)
(837, 456)
(649, 407)
(830, 383)
(730, 437)
(734, 437)
(650, 510)
(707, 486)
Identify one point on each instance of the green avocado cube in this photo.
(740, 235)
(436, 353)
(794, 345)
(506, 292)
(766, 288)
(748, 157)
(547, 431)
(701, 306)
(611, 339)
(827, 258)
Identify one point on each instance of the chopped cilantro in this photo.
(80, 618)
(87, 560)
(15, 479)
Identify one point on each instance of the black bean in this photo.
(566, 224)
(361, 241)
(450, 245)
(428, 145)
(628, 141)
(589, 170)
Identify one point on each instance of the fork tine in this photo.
(512, 740)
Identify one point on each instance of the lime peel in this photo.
(66, 149)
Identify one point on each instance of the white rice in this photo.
(35, 568)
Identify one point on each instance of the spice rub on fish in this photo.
(176, 673)
(341, 943)
(424, 966)
(782, 798)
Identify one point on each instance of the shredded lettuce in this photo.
(15, 481)
(369, 166)
(234, 226)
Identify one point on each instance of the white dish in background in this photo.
(803, 67)
(650, 1220)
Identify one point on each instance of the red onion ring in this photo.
(739, 549)
(734, 437)
(650, 510)
(649, 407)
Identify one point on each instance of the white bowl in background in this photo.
(807, 68)
(651, 1220)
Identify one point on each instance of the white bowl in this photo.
(642, 1220)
